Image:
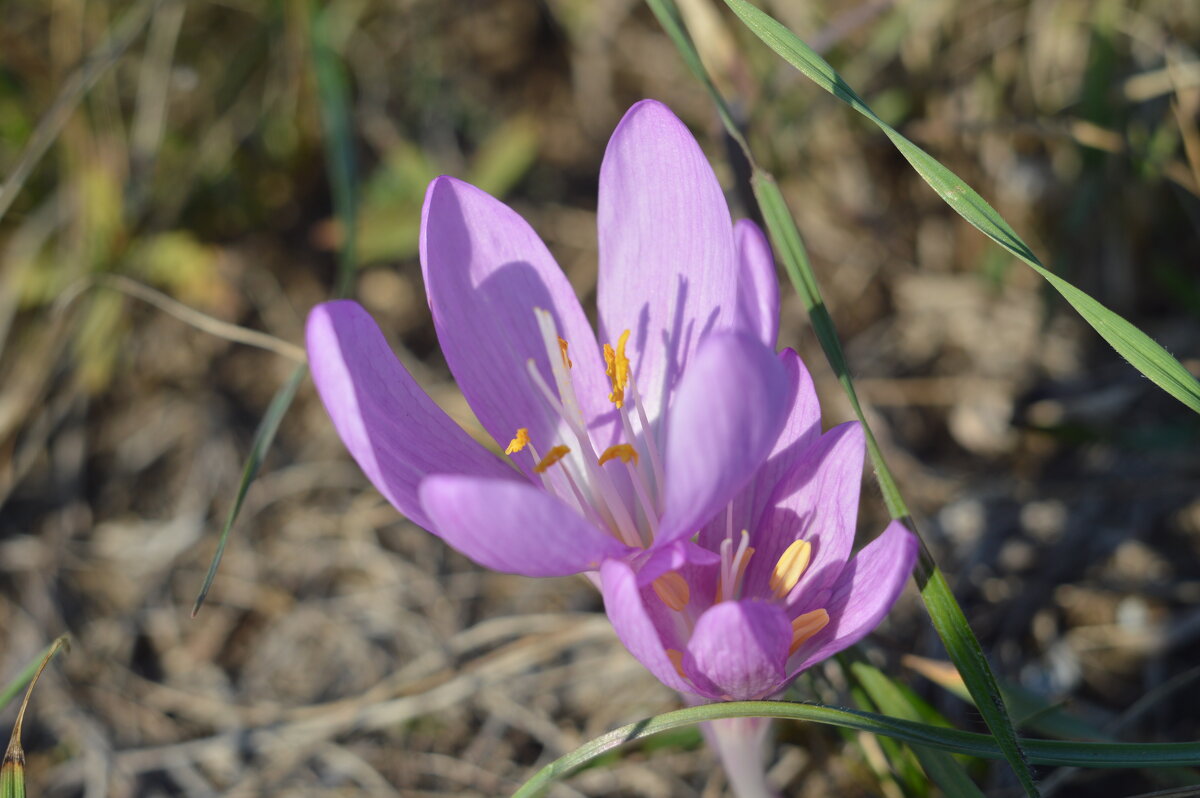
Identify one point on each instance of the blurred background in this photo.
(175, 151)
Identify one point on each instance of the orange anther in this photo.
(553, 456)
(672, 589)
(805, 626)
(519, 441)
(616, 366)
(622, 450)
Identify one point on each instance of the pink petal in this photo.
(668, 265)
(485, 272)
(739, 650)
(514, 527)
(626, 608)
(816, 501)
(391, 427)
(801, 429)
(758, 286)
(864, 593)
(724, 420)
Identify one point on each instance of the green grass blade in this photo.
(1042, 752)
(14, 688)
(333, 100)
(942, 768)
(944, 611)
(1139, 349)
(263, 437)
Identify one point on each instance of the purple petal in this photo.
(739, 649)
(817, 501)
(668, 265)
(801, 429)
(391, 427)
(625, 604)
(725, 417)
(485, 272)
(514, 527)
(758, 287)
(864, 593)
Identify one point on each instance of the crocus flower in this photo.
(769, 587)
(619, 446)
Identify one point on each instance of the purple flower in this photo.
(619, 451)
(768, 588)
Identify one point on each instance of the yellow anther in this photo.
(676, 658)
(621, 450)
(553, 456)
(562, 347)
(805, 626)
(790, 568)
(672, 589)
(519, 441)
(616, 366)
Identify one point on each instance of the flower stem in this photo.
(741, 743)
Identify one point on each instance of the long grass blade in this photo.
(945, 613)
(1146, 355)
(264, 436)
(333, 99)
(954, 741)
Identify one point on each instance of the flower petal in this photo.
(739, 649)
(625, 604)
(725, 417)
(864, 593)
(817, 501)
(514, 527)
(758, 286)
(801, 429)
(485, 272)
(391, 427)
(668, 265)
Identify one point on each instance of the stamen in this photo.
(676, 658)
(733, 567)
(805, 626)
(555, 454)
(673, 590)
(791, 566)
(566, 404)
(621, 450)
(519, 441)
(562, 347)
(617, 369)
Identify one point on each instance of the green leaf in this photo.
(892, 699)
(263, 437)
(1042, 752)
(1139, 349)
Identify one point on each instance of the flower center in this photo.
(583, 478)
